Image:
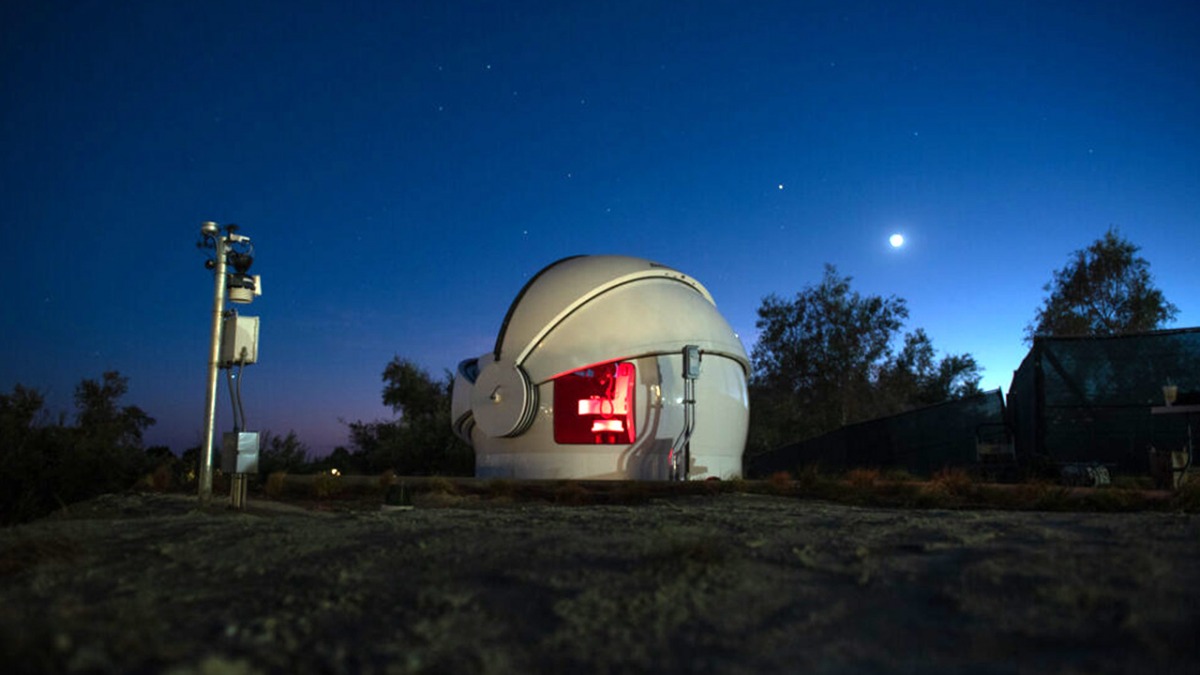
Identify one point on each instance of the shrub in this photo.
(276, 484)
(327, 484)
(441, 485)
(1187, 497)
(163, 477)
(397, 494)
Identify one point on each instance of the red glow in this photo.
(607, 426)
(594, 406)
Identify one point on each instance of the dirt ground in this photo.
(730, 583)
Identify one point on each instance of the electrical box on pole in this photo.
(239, 452)
(239, 340)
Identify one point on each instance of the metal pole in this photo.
(214, 355)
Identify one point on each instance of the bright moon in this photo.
(896, 240)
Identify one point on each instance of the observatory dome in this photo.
(607, 367)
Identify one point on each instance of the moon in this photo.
(896, 240)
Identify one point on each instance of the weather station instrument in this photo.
(233, 345)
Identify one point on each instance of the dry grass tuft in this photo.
(863, 478)
(690, 553)
(572, 494)
(1133, 482)
(441, 485)
(955, 482)
(1114, 500)
(780, 482)
(25, 554)
(502, 489)
(899, 476)
(809, 477)
(1042, 495)
(1187, 497)
(951, 488)
(630, 492)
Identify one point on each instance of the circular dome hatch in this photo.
(502, 401)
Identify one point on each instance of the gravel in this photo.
(725, 583)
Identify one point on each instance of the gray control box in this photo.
(239, 452)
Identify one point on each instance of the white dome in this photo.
(595, 317)
(592, 309)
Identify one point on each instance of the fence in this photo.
(920, 441)
(1089, 399)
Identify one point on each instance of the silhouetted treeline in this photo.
(419, 442)
(826, 358)
(47, 463)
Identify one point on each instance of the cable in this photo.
(235, 395)
(241, 368)
(233, 399)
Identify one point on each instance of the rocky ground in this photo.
(720, 583)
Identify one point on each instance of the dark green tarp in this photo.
(1090, 399)
(920, 441)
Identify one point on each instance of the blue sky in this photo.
(404, 167)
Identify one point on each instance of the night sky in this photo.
(404, 167)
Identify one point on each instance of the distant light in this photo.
(781, 186)
(896, 240)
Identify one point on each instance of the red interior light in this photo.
(595, 406)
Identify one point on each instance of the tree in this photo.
(107, 451)
(420, 440)
(19, 412)
(410, 392)
(44, 465)
(99, 417)
(189, 465)
(281, 453)
(822, 347)
(342, 460)
(824, 359)
(915, 377)
(28, 451)
(1106, 289)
